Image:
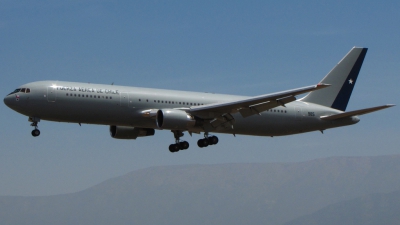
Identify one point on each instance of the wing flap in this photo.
(257, 109)
(355, 112)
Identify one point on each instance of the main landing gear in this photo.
(183, 145)
(207, 140)
(179, 145)
(35, 121)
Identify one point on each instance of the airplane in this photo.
(132, 112)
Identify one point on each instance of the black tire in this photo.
(205, 141)
(184, 145)
(174, 148)
(200, 143)
(213, 140)
(35, 132)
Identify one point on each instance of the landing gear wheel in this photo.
(200, 143)
(34, 124)
(203, 142)
(206, 142)
(179, 145)
(35, 132)
(213, 140)
(174, 148)
(183, 145)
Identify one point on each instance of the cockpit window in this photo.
(15, 91)
(23, 90)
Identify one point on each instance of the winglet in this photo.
(322, 85)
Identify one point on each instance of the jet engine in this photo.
(174, 119)
(122, 132)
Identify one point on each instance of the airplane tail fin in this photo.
(342, 79)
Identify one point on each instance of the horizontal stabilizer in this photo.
(355, 112)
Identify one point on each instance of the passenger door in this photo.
(51, 94)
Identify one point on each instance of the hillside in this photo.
(212, 194)
(373, 209)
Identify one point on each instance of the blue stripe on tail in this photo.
(342, 99)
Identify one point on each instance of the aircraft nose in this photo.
(8, 100)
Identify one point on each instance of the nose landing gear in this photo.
(35, 121)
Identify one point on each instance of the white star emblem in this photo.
(350, 81)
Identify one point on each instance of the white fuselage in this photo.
(127, 106)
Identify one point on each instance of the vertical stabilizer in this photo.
(342, 79)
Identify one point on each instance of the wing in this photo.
(355, 112)
(253, 105)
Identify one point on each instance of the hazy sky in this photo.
(234, 47)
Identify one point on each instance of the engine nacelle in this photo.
(122, 132)
(174, 119)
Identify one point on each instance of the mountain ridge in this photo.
(212, 194)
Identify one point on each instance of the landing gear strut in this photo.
(207, 140)
(35, 121)
(178, 144)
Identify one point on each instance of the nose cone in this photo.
(9, 101)
(6, 101)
